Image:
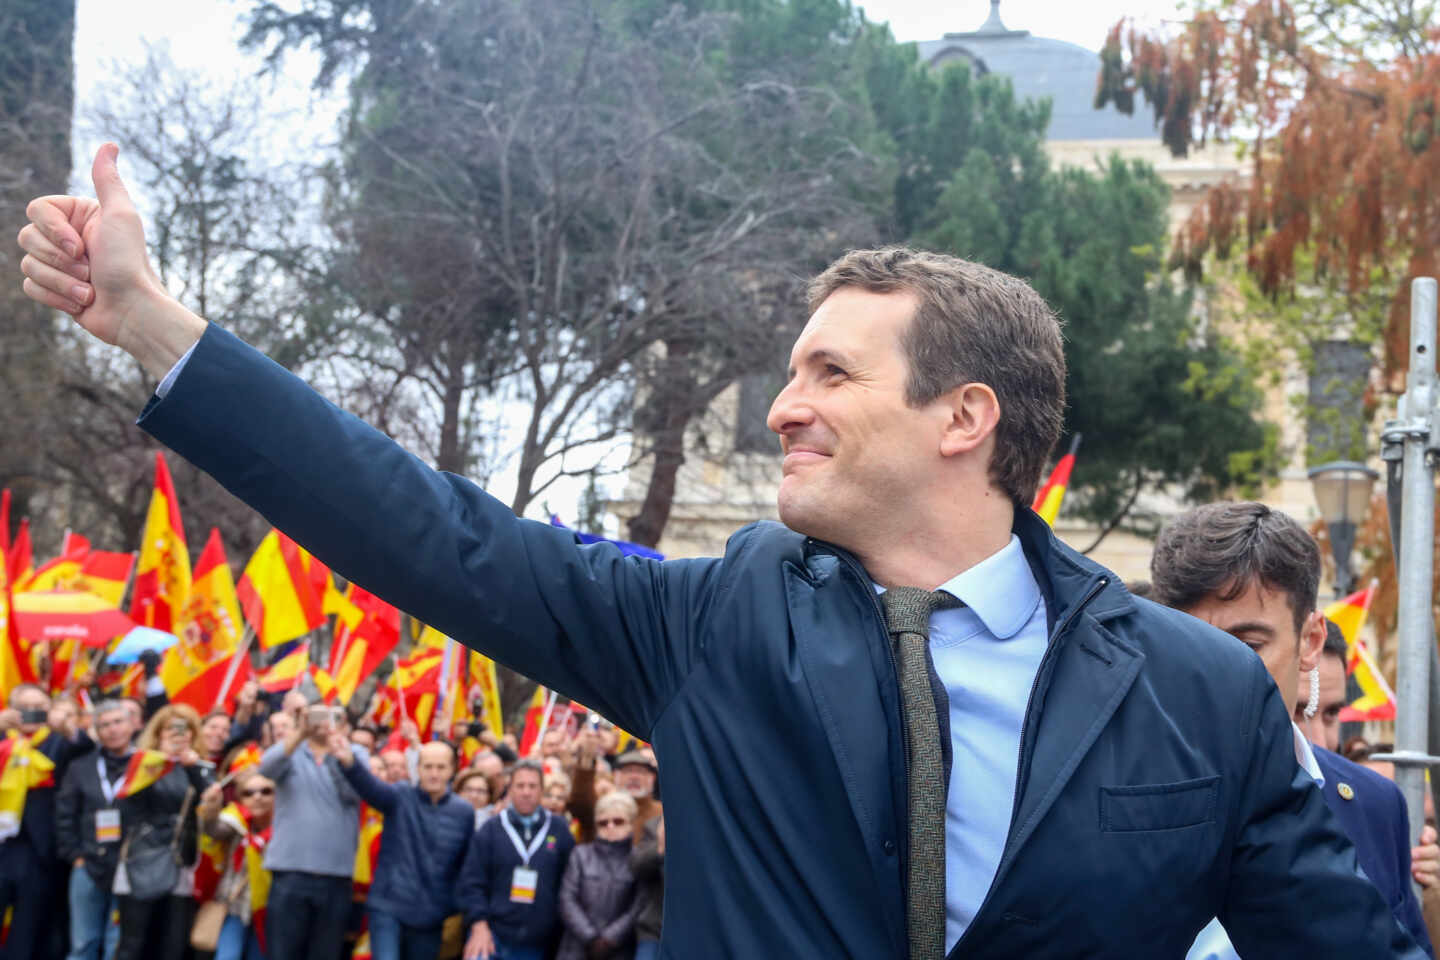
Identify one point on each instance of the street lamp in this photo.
(1342, 491)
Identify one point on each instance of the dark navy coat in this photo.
(1157, 788)
(1373, 817)
(423, 846)
(485, 882)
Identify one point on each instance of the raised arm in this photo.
(617, 633)
(382, 796)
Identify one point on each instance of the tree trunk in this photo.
(647, 526)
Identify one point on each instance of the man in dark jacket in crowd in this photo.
(28, 867)
(427, 831)
(88, 830)
(846, 774)
(1255, 573)
(510, 884)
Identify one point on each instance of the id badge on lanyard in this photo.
(107, 819)
(525, 880)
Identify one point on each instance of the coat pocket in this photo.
(1159, 806)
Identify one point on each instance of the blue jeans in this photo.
(390, 939)
(237, 942)
(92, 918)
(646, 950)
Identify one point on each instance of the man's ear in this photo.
(974, 414)
(1312, 641)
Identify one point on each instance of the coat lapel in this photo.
(1092, 672)
(851, 684)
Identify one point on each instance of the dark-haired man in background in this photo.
(1255, 573)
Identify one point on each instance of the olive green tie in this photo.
(907, 616)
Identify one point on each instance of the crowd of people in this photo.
(288, 831)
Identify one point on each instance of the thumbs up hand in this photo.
(88, 258)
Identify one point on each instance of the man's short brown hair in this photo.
(973, 325)
(1220, 549)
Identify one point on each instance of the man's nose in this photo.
(791, 409)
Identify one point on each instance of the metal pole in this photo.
(1416, 544)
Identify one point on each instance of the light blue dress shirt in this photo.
(986, 653)
(1213, 943)
(163, 387)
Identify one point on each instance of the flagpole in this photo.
(234, 667)
(399, 693)
(448, 699)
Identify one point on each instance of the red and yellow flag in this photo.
(162, 580)
(534, 717)
(367, 630)
(194, 669)
(1377, 700)
(20, 561)
(286, 673)
(16, 664)
(145, 767)
(106, 574)
(1048, 499)
(414, 687)
(244, 758)
(62, 573)
(22, 769)
(323, 682)
(367, 851)
(277, 593)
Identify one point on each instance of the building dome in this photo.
(1064, 72)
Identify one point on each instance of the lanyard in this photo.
(526, 854)
(107, 787)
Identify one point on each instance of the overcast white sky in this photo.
(202, 35)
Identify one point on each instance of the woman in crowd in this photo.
(155, 879)
(597, 896)
(473, 787)
(244, 829)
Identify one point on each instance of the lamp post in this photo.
(1342, 491)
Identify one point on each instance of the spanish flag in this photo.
(16, 664)
(162, 580)
(286, 673)
(244, 758)
(1047, 500)
(145, 767)
(534, 718)
(367, 851)
(363, 639)
(20, 562)
(323, 682)
(22, 769)
(1377, 700)
(62, 573)
(210, 630)
(417, 680)
(484, 682)
(106, 574)
(276, 592)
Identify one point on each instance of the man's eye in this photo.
(833, 371)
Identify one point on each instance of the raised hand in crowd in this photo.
(340, 747)
(211, 802)
(245, 701)
(176, 742)
(411, 733)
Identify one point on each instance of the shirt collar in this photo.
(1001, 589)
(1306, 756)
